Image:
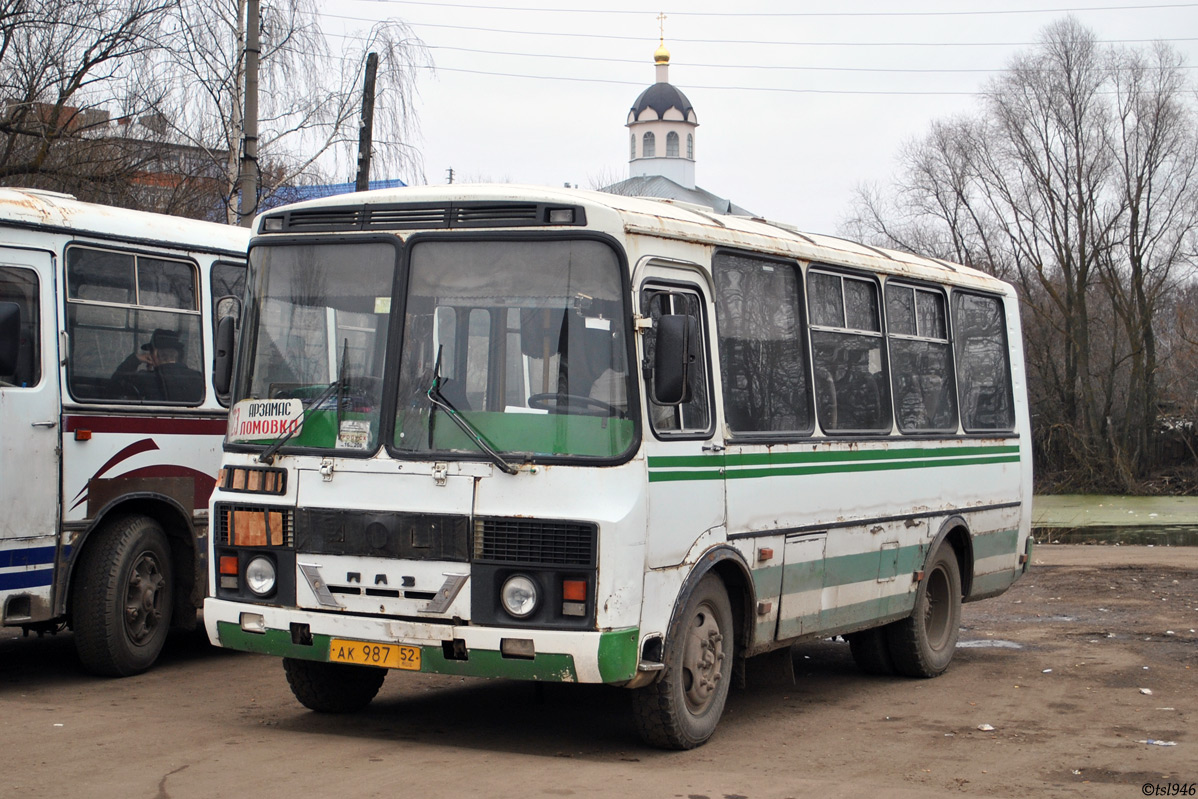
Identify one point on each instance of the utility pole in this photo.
(366, 132)
(249, 141)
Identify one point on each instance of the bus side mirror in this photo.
(673, 357)
(222, 363)
(10, 336)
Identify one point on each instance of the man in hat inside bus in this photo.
(158, 372)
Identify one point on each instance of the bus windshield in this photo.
(510, 346)
(526, 341)
(316, 345)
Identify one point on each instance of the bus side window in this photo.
(20, 357)
(921, 364)
(851, 389)
(763, 356)
(693, 416)
(983, 369)
(133, 325)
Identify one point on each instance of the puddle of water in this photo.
(989, 643)
(1163, 536)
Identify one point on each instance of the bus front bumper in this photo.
(462, 650)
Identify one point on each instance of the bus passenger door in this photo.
(686, 466)
(29, 434)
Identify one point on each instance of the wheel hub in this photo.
(143, 599)
(703, 660)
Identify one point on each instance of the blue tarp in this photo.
(294, 194)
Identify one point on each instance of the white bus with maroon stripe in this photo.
(110, 425)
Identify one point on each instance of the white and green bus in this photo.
(568, 436)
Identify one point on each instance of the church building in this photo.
(661, 145)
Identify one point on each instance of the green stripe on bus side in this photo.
(845, 617)
(999, 542)
(782, 458)
(715, 472)
(767, 581)
(862, 567)
(547, 667)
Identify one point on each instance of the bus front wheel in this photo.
(332, 687)
(123, 597)
(682, 709)
(922, 644)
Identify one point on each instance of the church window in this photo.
(690, 146)
(671, 145)
(649, 147)
(631, 146)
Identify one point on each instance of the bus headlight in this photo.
(260, 575)
(519, 596)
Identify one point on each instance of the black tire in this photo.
(332, 687)
(681, 710)
(922, 644)
(123, 597)
(871, 651)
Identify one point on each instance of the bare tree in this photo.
(138, 102)
(1155, 156)
(62, 60)
(1076, 181)
(309, 95)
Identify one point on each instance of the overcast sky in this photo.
(798, 103)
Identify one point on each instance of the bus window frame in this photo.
(34, 325)
(765, 436)
(984, 432)
(135, 253)
(399, 310)
(944, 290)
(251, 311)
(875, 278)
(649, 288)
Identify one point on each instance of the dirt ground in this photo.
(1086, 658)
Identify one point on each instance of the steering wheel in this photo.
(541, 403)
(125, 386)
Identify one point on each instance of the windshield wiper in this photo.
(268, 455)
(439, 401)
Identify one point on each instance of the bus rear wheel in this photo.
(682, 709)
(922, 644)
(123, 597)
(332, 687)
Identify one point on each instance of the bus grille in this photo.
(554, 543)
(422, 216)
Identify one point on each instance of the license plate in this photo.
(387, 656)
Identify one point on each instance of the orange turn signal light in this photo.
(228, 564)
(574, 590)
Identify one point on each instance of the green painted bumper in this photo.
(617, 656)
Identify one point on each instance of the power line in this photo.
(571, 34)
(691, 87)
(693, 65)
(803, 14)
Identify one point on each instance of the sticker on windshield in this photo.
(354, 434)
(256, 419)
